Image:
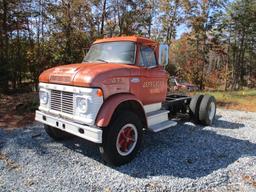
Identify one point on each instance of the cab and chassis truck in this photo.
(116, 94)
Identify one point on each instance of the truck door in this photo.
(154, 77)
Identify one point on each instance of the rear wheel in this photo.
(207, 110)
(56, 134)
(194, 107)
(121, 139)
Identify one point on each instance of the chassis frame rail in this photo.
(177, 103)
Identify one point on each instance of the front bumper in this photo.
(89, 133)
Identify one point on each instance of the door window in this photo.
(147, 57)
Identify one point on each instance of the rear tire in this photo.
(57, 134)
(207, 110)
(194, 107)
(121, 139)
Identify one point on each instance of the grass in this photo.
(244, 100)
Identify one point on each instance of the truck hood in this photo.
(85, 74)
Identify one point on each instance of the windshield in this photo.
(112, 52)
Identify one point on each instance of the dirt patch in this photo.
(17, 110)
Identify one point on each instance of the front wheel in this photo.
(122, 139)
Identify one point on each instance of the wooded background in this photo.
(213, 42)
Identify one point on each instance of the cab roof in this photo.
(136, 39)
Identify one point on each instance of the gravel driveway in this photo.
(183, 158)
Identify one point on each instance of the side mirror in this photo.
(163, 55)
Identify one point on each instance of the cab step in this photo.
(155, 117)
(161, 126)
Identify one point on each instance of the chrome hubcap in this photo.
(126, 139)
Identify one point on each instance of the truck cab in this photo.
(116, 93)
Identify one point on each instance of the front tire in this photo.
(57, 134)
(122, 139)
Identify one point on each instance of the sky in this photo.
(181, 29)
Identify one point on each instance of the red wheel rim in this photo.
(126, 139)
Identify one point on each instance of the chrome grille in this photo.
(62, 101)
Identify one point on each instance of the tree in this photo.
(242, 18)
(219, 47)
(172, 15)
(201, 19)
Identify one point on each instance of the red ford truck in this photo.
(116, 94)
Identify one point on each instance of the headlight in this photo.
(43, 95)
(81, 104)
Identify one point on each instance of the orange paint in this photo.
(99, 93)
(109, 106)
(146, 85)
(136, 39)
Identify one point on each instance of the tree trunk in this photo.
(103, 18)
(5, 61)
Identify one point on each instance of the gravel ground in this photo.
(183, 158)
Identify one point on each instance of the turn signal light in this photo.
(99, 93)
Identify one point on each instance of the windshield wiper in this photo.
(102, 60)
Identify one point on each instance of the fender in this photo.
(109, 106)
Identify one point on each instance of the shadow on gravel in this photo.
(219, 123)
(188, 151)
(185, 151)
(84, 147)
(37, 140)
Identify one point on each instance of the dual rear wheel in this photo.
(203, 109)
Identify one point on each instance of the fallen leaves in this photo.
(12, 165)
(250, 180)
(17, 110)
(29, 182)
